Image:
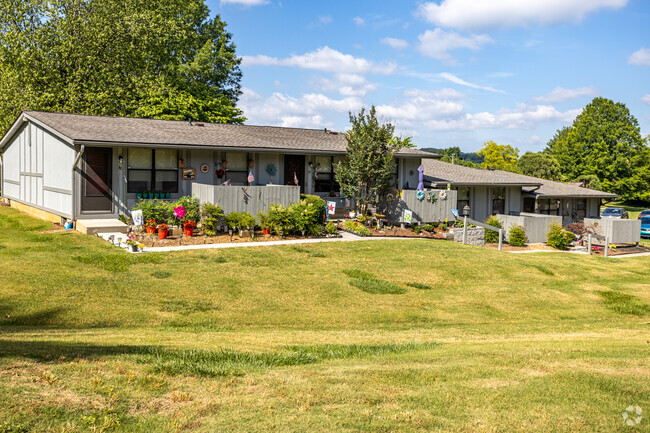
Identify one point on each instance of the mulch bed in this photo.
(622, 249)
(174, 241)
(398, 232)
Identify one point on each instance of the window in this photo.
(324, 169)
(237, 170)
(498, 201)
(152, 170)
(463, 197)
(529, 204)
(549, 206)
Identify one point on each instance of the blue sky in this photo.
(447, 72)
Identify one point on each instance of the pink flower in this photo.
(179, 212)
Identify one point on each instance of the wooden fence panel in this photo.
(252, 199)
(424, 211)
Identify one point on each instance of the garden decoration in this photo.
(220, 172)
(251, 163)
(271, 170)
(443, 195)
(204, 168)
(420, 178)
(420, 195)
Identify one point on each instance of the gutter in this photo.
(74, 189)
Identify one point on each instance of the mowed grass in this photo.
(400, 335)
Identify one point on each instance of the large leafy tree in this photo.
(153, 58)
(605, 141)
(499, 156)
(370, 158)
(542, 165)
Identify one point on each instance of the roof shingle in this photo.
(127, 130)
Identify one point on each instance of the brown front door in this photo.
(294, 164)
(96, 181)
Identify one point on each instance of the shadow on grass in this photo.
(47, 317)
(204, 363)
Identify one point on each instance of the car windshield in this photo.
(645, 220)
(613, 210)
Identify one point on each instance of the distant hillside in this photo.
(472, 156)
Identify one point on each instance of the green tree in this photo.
(111, 57)
(542, 165)
(605, 141)
(370, 158)
(499, 156)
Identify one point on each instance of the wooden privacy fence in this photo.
(438, 208)
(617, 231)
(252, 199)
(536, 226)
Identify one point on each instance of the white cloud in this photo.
(436, 43)
(347, 85)
(417, 106)
(480, 14)
(359, 21)
(396, 43)
(454, 79)
(646, 98)
(324, 59)
(641, 57)
(560, 94)
(245, 2)
(523, 117)
(325, 19)
(308, 111)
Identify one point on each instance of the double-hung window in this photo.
(498, 200)
(152, 170)
(324, 169)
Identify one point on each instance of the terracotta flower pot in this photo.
(188, 231)
(162, 234)
(151, 230)
(266, 231)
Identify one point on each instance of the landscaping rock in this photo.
(475, 235)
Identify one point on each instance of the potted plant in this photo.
(188, 228)
(264, 221)
(163, 231)
(150, 224)
(133, 244)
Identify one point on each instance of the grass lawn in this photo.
(397, 335)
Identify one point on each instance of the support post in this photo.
(606, 246)
(589, 243)
(500, 239)
(465, 230)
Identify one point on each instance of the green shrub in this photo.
(416, 229)
(429, 227)
(517, 236)
(232, 220)
(331, 228)
(559, 238)
(492, 237)
(319, 205)
(240, 220)
(308, 214)
(155, 209)
(211, 214)
(280, 218)
(263, 219)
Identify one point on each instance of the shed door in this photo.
(96, 191)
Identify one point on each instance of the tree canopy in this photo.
(139, 58)
(605, 141)
(499, 156)
(542, 165)
(369, 164)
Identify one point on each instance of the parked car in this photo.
(614, 212)
(645, 227)
(645, 212)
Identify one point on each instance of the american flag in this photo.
(295, 179)
(251, 178)
(226, 183)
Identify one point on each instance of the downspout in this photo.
(74, 166)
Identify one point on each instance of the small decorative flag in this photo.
(226, 183)
(295, 179)
(331, 207)
(251, 178)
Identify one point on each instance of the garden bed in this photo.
(621, 249)
(398, 232)
(152, 241)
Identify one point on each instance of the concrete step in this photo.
(95, 226)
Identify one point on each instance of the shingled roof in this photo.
(443, 172)
(84, 129)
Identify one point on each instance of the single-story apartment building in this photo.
(96, 167)
(490, 192)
